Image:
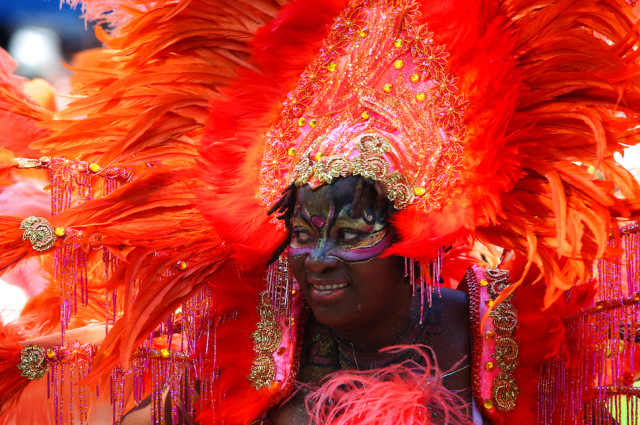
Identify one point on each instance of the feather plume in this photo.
(405, 394)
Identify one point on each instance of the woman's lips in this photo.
(326, 285)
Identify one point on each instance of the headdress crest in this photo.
(378, 102)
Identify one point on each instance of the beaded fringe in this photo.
(592, 381)
(167, 367)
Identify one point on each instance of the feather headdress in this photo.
(546, 93)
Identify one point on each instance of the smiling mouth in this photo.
(327, 287)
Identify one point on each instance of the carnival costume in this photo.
(483, 120)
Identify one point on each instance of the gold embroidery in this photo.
(266, 340)
(33, 362)
(370, 163)
(39, 232)
(332, 167)
(505, 321)
(370, 166)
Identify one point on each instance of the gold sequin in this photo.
(484, 282)
(489, 366)
(182, 265)
(318, 156)
(313, 122)
(332, 66)
(387, 87)
(398, 64)
(419, 191)
(488, 404)
(365, 115)
(165, 353)
(398, 43)
(291, 151)
(94, 168)
(415, 78)
(302, 121)
(420, 97)
(60, 232)
(363, 33)
(490, 335)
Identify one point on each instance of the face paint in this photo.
(319, 230)
(337, 259)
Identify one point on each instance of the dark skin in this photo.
(361, 301)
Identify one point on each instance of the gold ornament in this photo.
(39, 232)
(33, 363)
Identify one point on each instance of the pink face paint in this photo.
(318, 221)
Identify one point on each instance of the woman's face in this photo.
(336, 259)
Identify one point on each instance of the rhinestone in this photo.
(490, 335)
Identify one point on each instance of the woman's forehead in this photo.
(337, 199)
(336, 196)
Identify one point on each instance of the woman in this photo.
(361, 302)
(448, 120)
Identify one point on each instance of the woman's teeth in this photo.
(329, 287)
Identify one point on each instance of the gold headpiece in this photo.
(377, 102)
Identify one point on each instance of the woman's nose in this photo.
(320, 260)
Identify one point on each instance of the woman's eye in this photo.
(348, 235)
(301, 236)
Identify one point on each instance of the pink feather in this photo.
(400, 394)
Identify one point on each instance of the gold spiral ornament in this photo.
(39, 232)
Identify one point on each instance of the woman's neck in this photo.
(401, 327)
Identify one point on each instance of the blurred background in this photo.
(41, 34)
